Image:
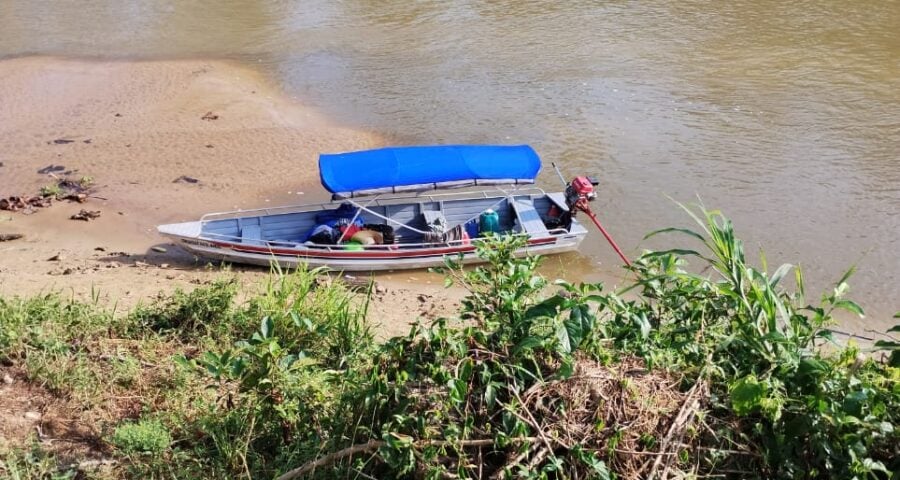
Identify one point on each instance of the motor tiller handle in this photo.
(584, 207)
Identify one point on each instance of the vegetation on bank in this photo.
(724, 374)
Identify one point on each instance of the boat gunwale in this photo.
(322, 206)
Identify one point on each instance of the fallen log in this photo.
(7, 237)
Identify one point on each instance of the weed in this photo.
(53, 191)
(148, 437)
(200, 312)
(32, 463)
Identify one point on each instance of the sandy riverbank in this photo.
(135, 127)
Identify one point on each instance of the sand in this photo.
(135, 127)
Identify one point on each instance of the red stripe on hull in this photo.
(363, 255)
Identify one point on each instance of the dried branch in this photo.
(373, 445)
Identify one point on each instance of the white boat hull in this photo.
(278, 235)
(286, 260)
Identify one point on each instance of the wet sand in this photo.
(136, 127)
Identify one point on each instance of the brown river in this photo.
(784, 115)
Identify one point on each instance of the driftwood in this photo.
(6, 237)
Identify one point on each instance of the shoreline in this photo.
(134, 128)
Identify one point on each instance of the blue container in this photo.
(472, 228)
(488, 222)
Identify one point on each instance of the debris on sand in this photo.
(86, 215)
(25, 203)
(50, 169)
(210, 116)
(185, 179)
(8, 237)
(65, 189)
(61, 141)
(351, 282)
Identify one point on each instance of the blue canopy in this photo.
(406, 169)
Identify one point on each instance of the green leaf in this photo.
(565, 343)
(811, 367)
(747, 395)
(490, 395)
(685, 231)
(850, 306)
(874, 465)
(847, 275)
(546, 309)
(528, 343)
(266, 326)
(673, 251)
(779, 274)
(238, 366)
(854, 402)
(798, 273)
(183, 362)
(575, 328)
(642, 323)
(887, 345)
(458, 390)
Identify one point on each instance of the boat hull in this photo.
(281, 234)
(361, 261)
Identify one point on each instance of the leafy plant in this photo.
(149, 437)
(51, 191)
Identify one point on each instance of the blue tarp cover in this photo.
(386, 169)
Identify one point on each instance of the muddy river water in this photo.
(784, 115)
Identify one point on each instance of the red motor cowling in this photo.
(580, 189)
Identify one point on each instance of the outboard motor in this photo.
(579, 192)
